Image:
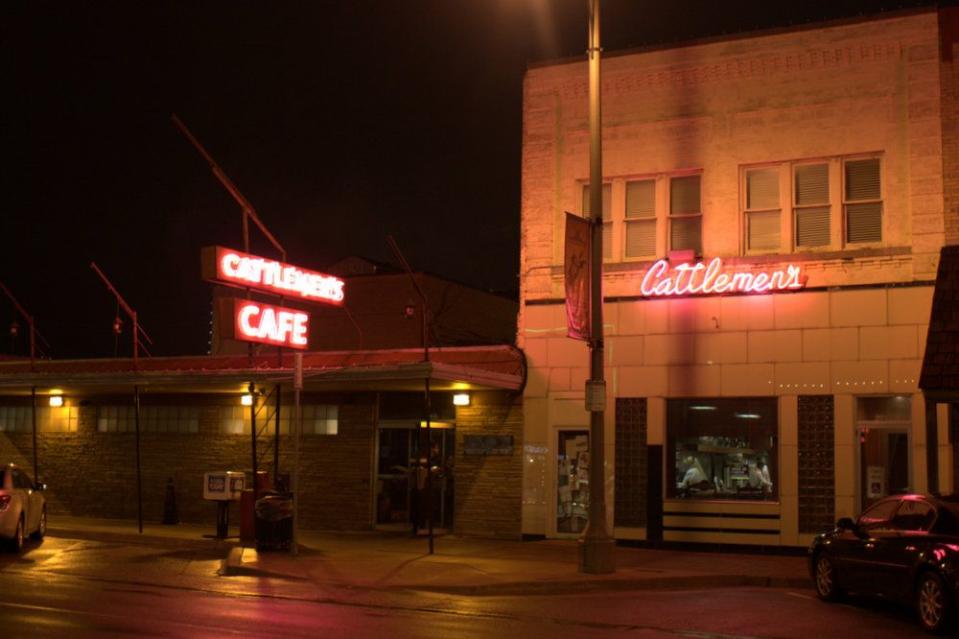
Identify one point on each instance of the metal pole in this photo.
(136, 422)
(276, 441)
(596, 546)
(33, 410)
(256, 487)
(429, 468)
(297, 425)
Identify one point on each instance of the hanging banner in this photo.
(576, 271)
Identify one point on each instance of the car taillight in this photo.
(5, 502)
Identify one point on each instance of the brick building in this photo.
(756, 397)
(363, 413)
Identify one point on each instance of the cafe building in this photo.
(364, 415)
(774, 208)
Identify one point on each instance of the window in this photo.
(762, 209)
(722, 448)
(607, 217)
(863, 201)
(878, 515)
(685, 214)
(811, 205)
(63, 419)
(811, 199)
(318, 419)
(644, 217)
(640, 223)
(153, 419)
(914, 515)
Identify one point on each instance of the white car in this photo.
(23, 509)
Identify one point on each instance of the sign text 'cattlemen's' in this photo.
(707, 279)
(268, 275)
(267, 324)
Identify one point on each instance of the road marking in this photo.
(800, 595)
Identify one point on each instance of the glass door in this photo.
(572, 481)
(883, 424)
(394, 455)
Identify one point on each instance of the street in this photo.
(72, 588)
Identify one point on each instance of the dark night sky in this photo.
(341, 121)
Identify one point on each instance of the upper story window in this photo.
(646, 217)
(862, 200)
(810, 192)
(685, 214)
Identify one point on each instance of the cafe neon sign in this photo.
(709, 279)
(268, 324)
(270, 276)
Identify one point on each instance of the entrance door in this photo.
(572, 481)
(883, 424)
(394, 455)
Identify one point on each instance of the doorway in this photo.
(572, 481)
(399, 500)
(883, 425)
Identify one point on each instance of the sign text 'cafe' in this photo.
(255, 321)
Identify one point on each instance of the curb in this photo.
(142, 539)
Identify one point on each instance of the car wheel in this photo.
(826, 587)
(932, 602)
(42, 525)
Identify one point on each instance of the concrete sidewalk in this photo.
(466, 566)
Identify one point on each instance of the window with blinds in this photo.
(607, 217)
(153, 419)
(59, 419)
(862, 200)
(640, 218)
(685, 214)
(762, 209)
(811, 205)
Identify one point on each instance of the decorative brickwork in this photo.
(817, 467)
(630, 470)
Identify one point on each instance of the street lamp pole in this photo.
(596, 547)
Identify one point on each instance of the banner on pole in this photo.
(576, 271)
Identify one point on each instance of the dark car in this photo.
(903, 548)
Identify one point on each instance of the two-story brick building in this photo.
(774, 208)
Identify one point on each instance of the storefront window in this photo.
(572, 477)
(722, 448)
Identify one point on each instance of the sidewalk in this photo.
(465, 566)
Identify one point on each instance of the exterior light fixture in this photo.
(461, 399)
(56, 401)
(247, 400)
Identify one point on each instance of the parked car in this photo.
(23, 508)
(903, 548)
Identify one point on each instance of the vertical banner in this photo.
(576, 271)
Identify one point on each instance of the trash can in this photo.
(274, 521)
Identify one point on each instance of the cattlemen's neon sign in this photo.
(710, 279)
(268, 324)
(251, 271)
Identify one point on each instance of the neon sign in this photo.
(709, 279)
(251, 271)
(267, 324)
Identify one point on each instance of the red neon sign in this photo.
(708, 279)
(251, 271)
(267, 324)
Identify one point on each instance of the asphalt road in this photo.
(67, 588)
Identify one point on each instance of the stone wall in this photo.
(488, 487)
(93, 474)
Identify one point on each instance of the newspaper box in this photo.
(223, 486)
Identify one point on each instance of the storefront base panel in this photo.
(721, 538)
(629, 534)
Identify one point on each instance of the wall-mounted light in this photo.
(56, 401)
(461, 399)
(247, 400)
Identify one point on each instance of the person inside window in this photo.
(695, 476)
(759, 476)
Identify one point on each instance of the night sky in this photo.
(340, 121)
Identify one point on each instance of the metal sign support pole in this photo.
(136, 422)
